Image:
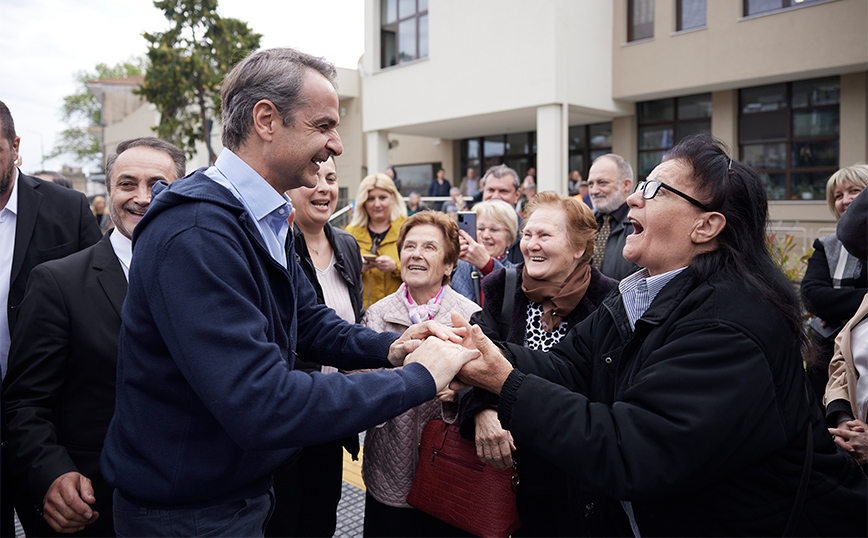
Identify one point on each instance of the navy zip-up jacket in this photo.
(208, 404)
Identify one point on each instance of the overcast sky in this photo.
(45, 42)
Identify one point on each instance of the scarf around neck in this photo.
(421, 312)
(564, 295)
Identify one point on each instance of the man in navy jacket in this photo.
(208, 403)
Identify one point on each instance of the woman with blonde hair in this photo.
(496, 228)
(101, 212)
(380, 212)
(835, 281)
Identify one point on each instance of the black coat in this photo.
(699, 418)
(543, 497)
(60, 387)
(348, 262)
(52, 222)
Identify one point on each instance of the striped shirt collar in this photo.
(639, 290)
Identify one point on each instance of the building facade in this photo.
(553, 84)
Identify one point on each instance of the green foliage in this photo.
(781, 250)
(81, 111)
(187, 65)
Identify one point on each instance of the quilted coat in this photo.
(391, 448)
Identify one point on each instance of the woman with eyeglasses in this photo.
(552, 291)
(496, 226)
(680, 407)
(380, 212)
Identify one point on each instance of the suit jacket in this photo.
(52, 222)
(60, 387)
(614, 265)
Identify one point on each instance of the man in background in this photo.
(609, 182)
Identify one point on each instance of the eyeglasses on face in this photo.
(651, 187)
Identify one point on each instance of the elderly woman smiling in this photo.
(496, 226)
(428, 246)
(679, 408)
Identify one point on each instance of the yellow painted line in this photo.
(353, 470)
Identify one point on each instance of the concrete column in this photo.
(724, 118)
(625, 141)
(378, 151)
(550, 166)
(854, 98)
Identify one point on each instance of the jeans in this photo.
(244, 517)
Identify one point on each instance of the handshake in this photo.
(456, 357)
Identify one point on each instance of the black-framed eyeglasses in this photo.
(651, 187)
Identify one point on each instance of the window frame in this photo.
(785, 6)
(679, 12)
(631, 28)
(390, 33)
(789, 170)
(676, 123)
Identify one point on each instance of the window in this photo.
(640, 19)
(664, 122)
(691, 14)
(754, 7)
(516, 150)
(403, 31)
(586, 143)
(789, 133)
(417, 177)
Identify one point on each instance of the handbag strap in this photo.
(475, 276)
(508, 300)
(806, 474)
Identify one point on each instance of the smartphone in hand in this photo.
(467, 222)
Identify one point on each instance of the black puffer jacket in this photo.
(699, 418)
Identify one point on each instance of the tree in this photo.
(187, 65)
(81, 111)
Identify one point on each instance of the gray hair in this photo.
(500, 171)
(500, 212)
(625, 171)
(276, 75)
(146, 142)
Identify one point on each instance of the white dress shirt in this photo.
(8, 221)
(123, 247)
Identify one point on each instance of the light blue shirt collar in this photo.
(640, 289)
(268, 208)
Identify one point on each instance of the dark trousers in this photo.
(244, 517)
(307, 491)
(382, 520)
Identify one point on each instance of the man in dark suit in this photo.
(609, 183)
(60, 387)
(42, 221)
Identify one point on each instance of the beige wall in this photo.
(119, 102)
(491, 57)
(732, 52)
